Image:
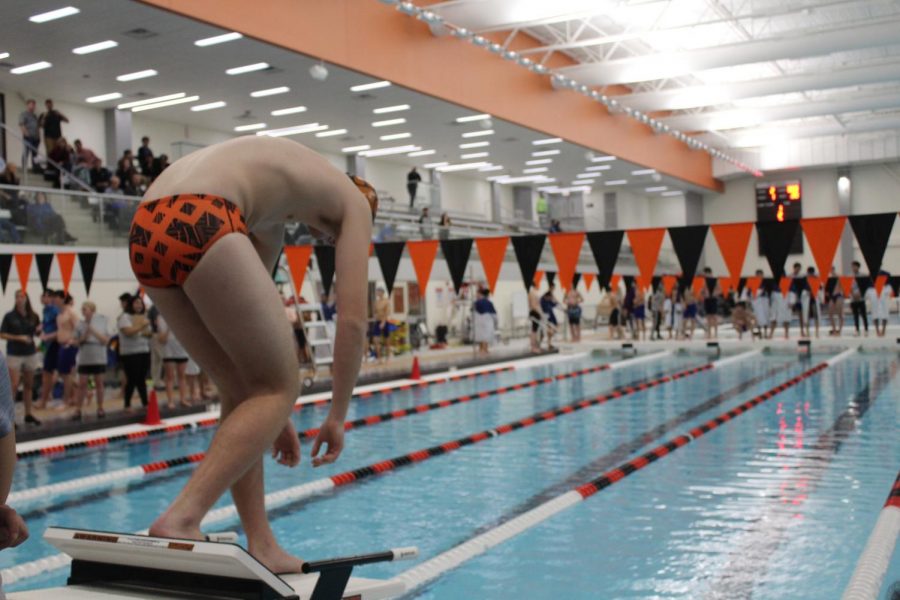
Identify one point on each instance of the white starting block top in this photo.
(185, 556)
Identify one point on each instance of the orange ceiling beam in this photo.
(375, 39)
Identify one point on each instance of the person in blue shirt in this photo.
(548, 303)
(51, 346)
(485, 321)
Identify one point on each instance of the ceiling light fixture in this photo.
(471, 134)
(137, 75)
(435, 165)
(209, 106)
(247, 68)
(462, 167)
(331, 133)
(659, 188)
(103, 98)
(370, 86)
(471, 118)
(395, 136)
(52, 15)
(598, 168)
(546, 153)
(673, 193)
(616, 182)
(251, 127)
(349, 149)
(150, 100)
(4, 55)
(270, 92)
(644, 172)
(288, 111)
(388, 123)
(91, 48)
(391, 150)
(218, 39)
(165, 104)
(422, 153)
(474, 155)
(30, 68)
(491, 168)
(602, 158)
(535, 170)
(547, 141)
(293, 130)
(390, 109)
(474, 145)
(540, 161)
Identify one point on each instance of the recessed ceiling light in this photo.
(472, 118)
(540, 161)
(491, 168)
(602, 158)
(391, 150)
(545, 153)
(59, 13)
(165, 103)
(209, 106)
(395, 136)
(598, 168)
(270, 92)
(388, 123)
(588, 175)
(288, 111)
(251, 127)
(616, 182)
(150, 100)
(471, 134)
(218, 39)
(103, 98)
(247, 68)
(435, 165)
(659, 188)
(104, 45)
(463, 166)
(535, 170)
(137, 75)
(4, 55)
(331, 133)
(474, 155)
(32, 67)
(546, 141)
(422, 153)
(390, 109)
(474, 145)
(356, 148)
(644, 172)
(293, 130)
(583, 181)
(673, 193)
(370, 86)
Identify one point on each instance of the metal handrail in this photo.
(37, 152)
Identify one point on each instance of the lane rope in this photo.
(873, 563)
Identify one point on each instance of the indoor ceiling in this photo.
(149, 38)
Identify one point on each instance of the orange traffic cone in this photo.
(416, 374)
(152, 417)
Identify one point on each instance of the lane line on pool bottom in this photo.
(750, 553)
(873, 563)
(91, 481)
(446, 561)
(317, 487)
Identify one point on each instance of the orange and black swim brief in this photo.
(170, 235)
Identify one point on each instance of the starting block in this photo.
(109, 565)
(714, 347)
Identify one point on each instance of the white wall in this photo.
(466, 195)
(388, 176)
(165, 136)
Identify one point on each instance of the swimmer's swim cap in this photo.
(368, 191)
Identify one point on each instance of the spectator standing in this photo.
(639, 313)
(412, 185)
(51, 346)
(857, 302)
(51, 121)
(485, 321)
(548, 303)
(66, 321)
(835, 300)
(92, 335)
(145, 157)
(573, 313)
(880, 302)
(134, 349)
(690, 313)
(615, 316)
(799, 302)
(812, 303)
(175, 359)
(444, 226)
(534, 316)
(382, 328)
(658, 308)
(555, 226)
(31, 135)
(19, 327)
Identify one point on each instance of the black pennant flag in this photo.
(389, 254)
(688, 244)
(864, 283)
(44, 262)
(575, 280)
(872, 233)
(5, 264)
(87, 261)
(605, 246)
(775, 239)
(629, 281)
(551, 278)
(655, 281)
(711, 283)
(528, 250)
(456, 253)
(325, 258)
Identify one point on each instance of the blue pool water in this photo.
(774, 504)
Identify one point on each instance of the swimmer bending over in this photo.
(203, 243)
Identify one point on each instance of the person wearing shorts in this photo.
(92, 334)
(175, 361)
(20, 326)
(51, 347)
(203, 244)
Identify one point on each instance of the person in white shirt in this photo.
(880, 308)
(92, 335)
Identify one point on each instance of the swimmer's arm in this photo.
(7, 464)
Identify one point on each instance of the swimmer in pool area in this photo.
(203, 243)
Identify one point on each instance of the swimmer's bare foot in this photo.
(162, 527)
(275, 558)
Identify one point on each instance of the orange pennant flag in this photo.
(785, 285)
(668, 282)
(846, 285)
(753, 284)
(298, 261)
(814, 284)
(879, 283)
(66, 262)
(371, 249)
(23, 268)
(645, 245)
(643, 282)
(588, 279)
(725, 283)
(538, 277)
(733, 239)
(698, 285)
(614, 281)
(422, 253)
(566, 249)
(491, 251)
(823, 236)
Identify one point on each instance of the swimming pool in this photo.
(775, 503)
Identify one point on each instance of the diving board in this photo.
(109, 565)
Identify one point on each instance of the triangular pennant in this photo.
(551, 278)
(880, 281)
(5, 265)
(823, 236)
(645, 245)
(725, 283)
(688, 244)
(830, 284)
(846, 285)
(389, 254)
(325, 258)
(66, 261)
(528, 250)
(863, 283)
(753, 284)
(605, 246)
(872, 233)
(655, 282)
(588, 280)
(575, 279)
(733, 239)
(785, 285)
(698, 284)
(422, 253)
(44, 262)
(566, 249)
(537, 279)
(491, 251)
(643, 282)
(629, 281)
(298, 261)
(456, 253)
(614, 281)
(23, 268)
(814, 284)
(87, 261)
(668, 283)
(775, 239)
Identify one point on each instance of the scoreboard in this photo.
(778, 202)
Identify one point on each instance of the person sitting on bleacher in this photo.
(100, 176)
(44, 221)
(61, 155)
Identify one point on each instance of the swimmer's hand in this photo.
(13, 530)
(332, 434)
(286, 449)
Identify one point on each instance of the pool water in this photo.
(777, 503)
